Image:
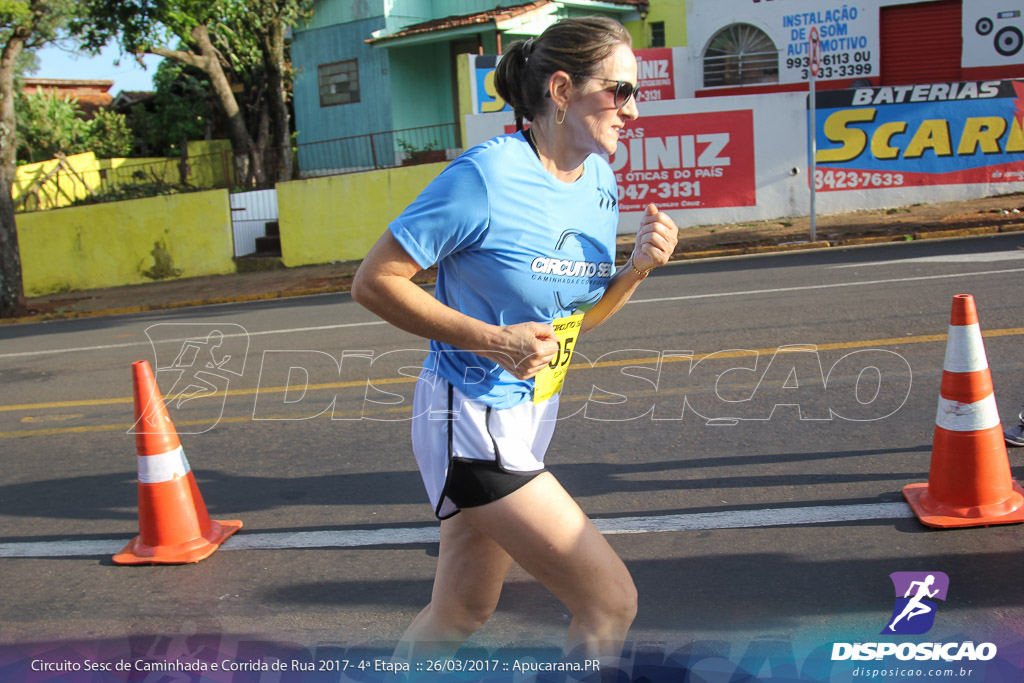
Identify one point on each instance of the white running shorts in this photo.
(470, 454)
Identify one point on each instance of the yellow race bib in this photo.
(548, 381)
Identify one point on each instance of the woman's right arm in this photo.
(383, 284)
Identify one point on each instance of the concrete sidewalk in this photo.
(989, 215)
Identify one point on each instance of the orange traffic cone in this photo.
(969, 482)
(174, 527)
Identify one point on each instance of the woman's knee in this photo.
(465, 615)
(625, 606)
(617, 604)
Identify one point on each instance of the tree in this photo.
(179, 110)
(259, 28)
(211, 35)
(24, 25)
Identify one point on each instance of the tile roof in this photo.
(93, 85)
(496, 16)
(91, 94)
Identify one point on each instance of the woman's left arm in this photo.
(655, 241)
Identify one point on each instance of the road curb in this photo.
(682, 256)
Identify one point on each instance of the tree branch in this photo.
(189, 58)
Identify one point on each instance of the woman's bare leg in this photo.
(546, 532)
(471, 569)
(543, 529)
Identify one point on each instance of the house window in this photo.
(339, 82)
(657, 34)
(740, 54)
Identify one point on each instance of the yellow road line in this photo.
(232, 392)
(346, 414)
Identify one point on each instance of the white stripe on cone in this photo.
(156, 469)
(967, 417)
(965, 351)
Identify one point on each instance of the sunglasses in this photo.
(623, 90)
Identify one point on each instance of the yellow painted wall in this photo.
(209, 166)
(212, 164)
(338, 218)
(60, 190)
(465, 90)
(130, 242)
(672, 12)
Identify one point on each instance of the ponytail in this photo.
(576, 46)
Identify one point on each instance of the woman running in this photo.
(523, 229)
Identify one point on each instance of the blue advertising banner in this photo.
(915, 135)
(487, 100)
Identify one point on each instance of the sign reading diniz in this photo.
(654, 74)
(687, 161)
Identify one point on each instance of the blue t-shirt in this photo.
(513, 244)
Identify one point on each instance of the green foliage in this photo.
(179, 110)
(109, 135)
(13, 12)
(140, 24)
(244, 27)
(41, 21)
(118, 193)
(26, 64)
(428, 153)
(48, 124)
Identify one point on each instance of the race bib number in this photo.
(548, 381)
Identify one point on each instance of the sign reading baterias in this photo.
(914, 135)
(687, 161)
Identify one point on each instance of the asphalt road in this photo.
(754, 495)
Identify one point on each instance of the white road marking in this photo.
(862, 283)
(748, 519)
(123, 345)
(361, 538)
(988, 257)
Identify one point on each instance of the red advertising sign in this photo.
(654, 74)
(687, 161)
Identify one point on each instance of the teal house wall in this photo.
(316, 124)
(406, 52)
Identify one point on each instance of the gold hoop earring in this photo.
(559, 121)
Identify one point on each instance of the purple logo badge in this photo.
(915, 593)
